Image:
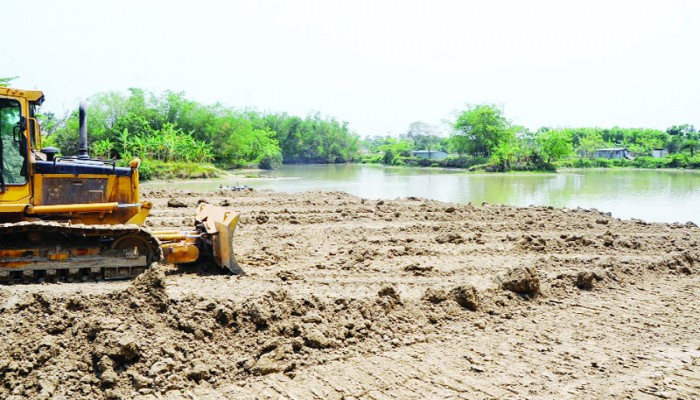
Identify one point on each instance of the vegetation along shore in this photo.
(181, 138)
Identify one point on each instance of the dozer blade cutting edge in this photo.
(212, 238)
(220, 224)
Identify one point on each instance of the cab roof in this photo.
(34, 96)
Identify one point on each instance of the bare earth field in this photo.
(346, 298)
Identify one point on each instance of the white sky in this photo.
(379, 65)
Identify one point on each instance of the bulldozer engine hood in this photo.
(80, 168)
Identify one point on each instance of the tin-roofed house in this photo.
(613, 154)
(659, 153)
(430, 155)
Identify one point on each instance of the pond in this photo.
(651, 195)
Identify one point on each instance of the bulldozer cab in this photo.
(13, 145)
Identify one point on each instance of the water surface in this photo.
(652, 195)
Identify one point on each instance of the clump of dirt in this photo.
(4, 301)
(533, 242)
(466, 296)
(585, 280)
(288, 276)
(418, 268)
(262, 218)
(435, 296)
(521, 280)
(150, 287)
(451, 237)
(176, 203)
(389, 291)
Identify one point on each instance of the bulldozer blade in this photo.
(220, 224)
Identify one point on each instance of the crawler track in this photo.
(39, 251)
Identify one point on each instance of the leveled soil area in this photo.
(347, 298)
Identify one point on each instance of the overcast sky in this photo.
(379, 65)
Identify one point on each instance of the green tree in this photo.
(678, 136)
(393, 148)
(5, 82)
(588, 141)
(102, 149)
(554, 145)
(642, 141)
(459, 144)
(480, 129)
(388, 156)
(691, 143)
(49, 122)
(312, 139)
(506, 151)
(170, 127)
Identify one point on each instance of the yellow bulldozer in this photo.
(80, 218)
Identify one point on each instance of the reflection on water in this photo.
(653, 195)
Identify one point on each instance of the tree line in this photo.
(481, 135)
(170, 128)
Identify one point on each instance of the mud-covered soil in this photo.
(359, 299)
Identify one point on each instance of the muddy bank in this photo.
(346, 297)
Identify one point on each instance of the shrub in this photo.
(399, 161)
(694, 162)
(679, 160)
(371, 159)
(462, 162)
(388, 157)
(272, 159)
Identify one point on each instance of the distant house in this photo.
(615, 153)
(429, 155)
(659, 153)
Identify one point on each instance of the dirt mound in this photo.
(521, 280)
(140, 341)
(349, 297)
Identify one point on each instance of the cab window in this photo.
(13, 164)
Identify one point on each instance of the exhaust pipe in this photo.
(82, 136)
